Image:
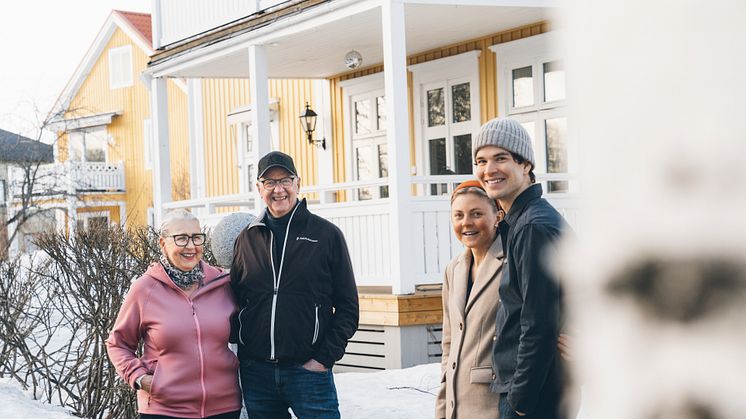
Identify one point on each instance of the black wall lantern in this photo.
(308, 121)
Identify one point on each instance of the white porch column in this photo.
(397, 133)
(161, 157)
(259, 91)
(196, 140)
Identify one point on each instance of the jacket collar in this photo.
(523, 200)
(213, 276)
(486, 273)
(300, 209)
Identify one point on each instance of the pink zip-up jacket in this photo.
(195, 374)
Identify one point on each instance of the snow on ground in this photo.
(402, 394)
(17, 404)
(393, 394)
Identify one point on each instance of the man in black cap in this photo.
(293, 280)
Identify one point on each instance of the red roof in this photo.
(140, 22)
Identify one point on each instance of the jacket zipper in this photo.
(316, 325)
(277, 277)
(201, 359)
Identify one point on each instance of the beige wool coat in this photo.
(468, 335)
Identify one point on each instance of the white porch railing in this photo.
(69, 177)
(365, 223)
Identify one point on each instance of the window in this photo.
(89, 145)
(531, 72)
(448, 116)
(120, 67)
(93, 220)
(147, 143)
(2, 192)
(247, 145)
(369, 145)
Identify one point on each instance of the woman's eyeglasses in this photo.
(182, 240)
(271, 183)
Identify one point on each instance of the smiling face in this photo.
(280, 200)
(182, 258)
(500, 175)
(474, 219)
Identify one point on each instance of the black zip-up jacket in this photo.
(308, 308)
(525, 355)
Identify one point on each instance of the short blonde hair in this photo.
(175, 215)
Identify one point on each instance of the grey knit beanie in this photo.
(507, 134)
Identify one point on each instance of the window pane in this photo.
(98, 223)
(554, 81)
(383, 167)
(76, 146)
(523, 87)
(364, 164)
(251, 177)
(461, 96)
(362, 117)
(462, 152)
(436, 108)
(381, 109)
(437, 152)
(249, 140)
(95, 146)
(531, 128)
(556, 131)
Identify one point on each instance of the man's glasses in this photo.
(271, 183)
(182, 240)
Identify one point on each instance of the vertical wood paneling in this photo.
(95, 96)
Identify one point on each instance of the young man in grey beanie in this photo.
(527, 366)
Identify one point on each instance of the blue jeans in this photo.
(270, 389)
(548, 408)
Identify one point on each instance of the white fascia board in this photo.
(84, 122)
(241, 113)
(318, 16)
(114, 21)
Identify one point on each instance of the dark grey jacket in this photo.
(525, 354)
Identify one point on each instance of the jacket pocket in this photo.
(480, 375)
(240, 326)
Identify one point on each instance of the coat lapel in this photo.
(458, 285)
(487, 272)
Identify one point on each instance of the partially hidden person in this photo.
(470, 304)
(180, 311)
(293, 279)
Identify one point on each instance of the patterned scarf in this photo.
(183, 279)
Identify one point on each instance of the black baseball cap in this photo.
(276, 159)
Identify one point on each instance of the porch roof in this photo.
(309, 38)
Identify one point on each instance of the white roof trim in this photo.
(82, 122)
(114, 21)
(241, 113)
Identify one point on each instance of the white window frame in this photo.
(2, 192)
(84, 217)
(241, 119)
(534, 51)
(79, 135)
(360, 88)
(451, 70)
(120, 61)
(147, 144)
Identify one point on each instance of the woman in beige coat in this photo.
(470, 302)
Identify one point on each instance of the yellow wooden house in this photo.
(103, 121)
(399, 88)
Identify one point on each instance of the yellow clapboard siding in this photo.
(220, 97)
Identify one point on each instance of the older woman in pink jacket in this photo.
(180, 310)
